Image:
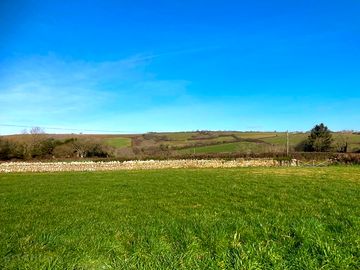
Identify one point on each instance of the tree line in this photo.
(38, 145)
(35, 144)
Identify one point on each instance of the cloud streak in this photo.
(124, 95)
(47, 90)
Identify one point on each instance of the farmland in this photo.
(250, 218)
(242, 147)
(118, 142)
(225, 142)
(164, 145)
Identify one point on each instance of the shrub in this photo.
(347, 159)
(44, 148)
(64, 151)
(5, 150)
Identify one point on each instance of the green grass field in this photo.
(119, 142)
(246, 218)
(204, 142)
(229, 148)
(267, 141)
(280, 138)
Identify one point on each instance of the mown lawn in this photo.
(246, 218)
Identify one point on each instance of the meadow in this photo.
(241, 147)
(163, 145)
(229, 141)
(243, 218)
(118, 142)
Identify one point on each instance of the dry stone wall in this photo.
(7, 167)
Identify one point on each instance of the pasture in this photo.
(242, 147)
(154, 145)
(235, 141)
(243, 218)
(118, 142)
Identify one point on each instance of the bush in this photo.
(5, 150)
(347, 159)
(64, 151)
(11, 150)
(89, 148)
(44, 148)
(97, 150)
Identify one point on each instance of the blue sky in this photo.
(139, 66)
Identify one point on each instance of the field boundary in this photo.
(9, 167)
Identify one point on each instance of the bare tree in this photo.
(36, 130)
(80, 148)
(342, 144)
(32, 142)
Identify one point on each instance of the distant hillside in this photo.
(176, 143)
(234, 141)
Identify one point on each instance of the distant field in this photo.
(352, 139)
(229, 148)
(119, 142)
(204, 142)
(280, 138)
(250, 218)
(277, 141)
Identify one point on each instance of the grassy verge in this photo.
(251, 218)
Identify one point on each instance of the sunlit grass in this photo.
(242, 147)
(249, 218)
(119, 142)
(280, 139)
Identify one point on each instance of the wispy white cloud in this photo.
(48, 90)
(125, 95)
